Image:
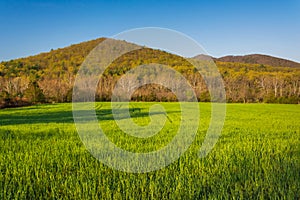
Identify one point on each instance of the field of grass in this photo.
(256, 157)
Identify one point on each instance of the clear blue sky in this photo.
(221, 27)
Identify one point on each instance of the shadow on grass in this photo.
(67, 116)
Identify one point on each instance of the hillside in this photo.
(49, 77)
(260, 59)
(203, 57)
(68, 57)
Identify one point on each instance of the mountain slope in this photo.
(71, 56)
(203, 57)
(260, 59)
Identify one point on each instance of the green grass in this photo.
(256, 157)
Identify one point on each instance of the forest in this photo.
(49, 78)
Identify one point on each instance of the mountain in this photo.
(260, 59)
(49, 77)
(203, 57)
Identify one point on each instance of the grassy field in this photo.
(256, 157)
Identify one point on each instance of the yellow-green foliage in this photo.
(53, 75)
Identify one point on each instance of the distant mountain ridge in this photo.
(87, 46)
(260, 59)
(203, 57)
(252, 59)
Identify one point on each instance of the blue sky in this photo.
(222, 27)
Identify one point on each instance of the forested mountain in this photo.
(260, 59)
(49, 77)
